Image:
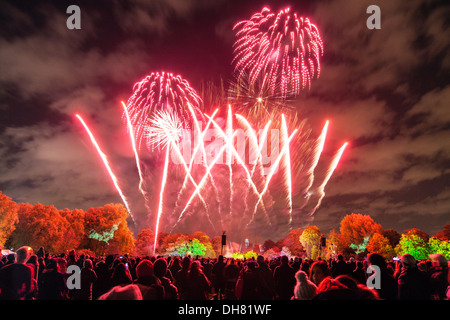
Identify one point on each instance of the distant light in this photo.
(259, 99)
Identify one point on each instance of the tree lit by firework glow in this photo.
(281, 50)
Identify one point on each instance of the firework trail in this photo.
(165, 130)
(199, 144)
(161, 91)
(330, 171)
(317, 153)
(229, 133)
(105, 161)
(133, 145)
(272, 171)
(279, 49)
(287, 164)
(161, 195)
(202, 181)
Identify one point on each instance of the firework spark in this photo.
(278, 49)
(161, 91)
(135, 152)
(105, 162)
(333, 165)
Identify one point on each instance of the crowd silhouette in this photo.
(25, 275)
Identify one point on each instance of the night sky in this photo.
(386, 92)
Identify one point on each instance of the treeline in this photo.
(104, 230)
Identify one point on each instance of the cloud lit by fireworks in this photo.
(281, 50)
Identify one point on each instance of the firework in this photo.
(161, 91)
(282, 51)
(105, 162)
(333, 165)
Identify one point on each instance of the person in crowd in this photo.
(149, 285)
(413, 284)
(438, 277)
(231, 275)
(197, 284)
(296, 264)
(284, 277)
(88, 278)
(218, 277)
(266, 283)
(319, 271)
(247, 287)
(17, 279)
(340, 267)
(304, 288)
(181, 275)
(160, 270)
(332, 289)
(359, 274)
(388, 289)
(175, 265)
(52, 284)
(121, 276)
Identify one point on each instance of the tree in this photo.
(8, 218)
(444, 234)
(418, 233)
(439, 246)
(411, 243)
(334, 242)
(190, 247)
(380, 244)
(268, 244)
(310, 237)
(393, 236)
(355, 227)
(144, 242)
(216, 243)
(74, 228)
(40, 226)
(293, 242)
(106, 230)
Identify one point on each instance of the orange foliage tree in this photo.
(144, 242)
(39, 226)
(380, 244)
(8, 218)
(355, 227)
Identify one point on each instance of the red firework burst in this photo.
(162, 91)
(282, 51)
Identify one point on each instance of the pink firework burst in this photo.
(282, 51)
(161, 91)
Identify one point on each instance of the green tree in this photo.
(8, 218)
(411, 243)
(439, 246)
